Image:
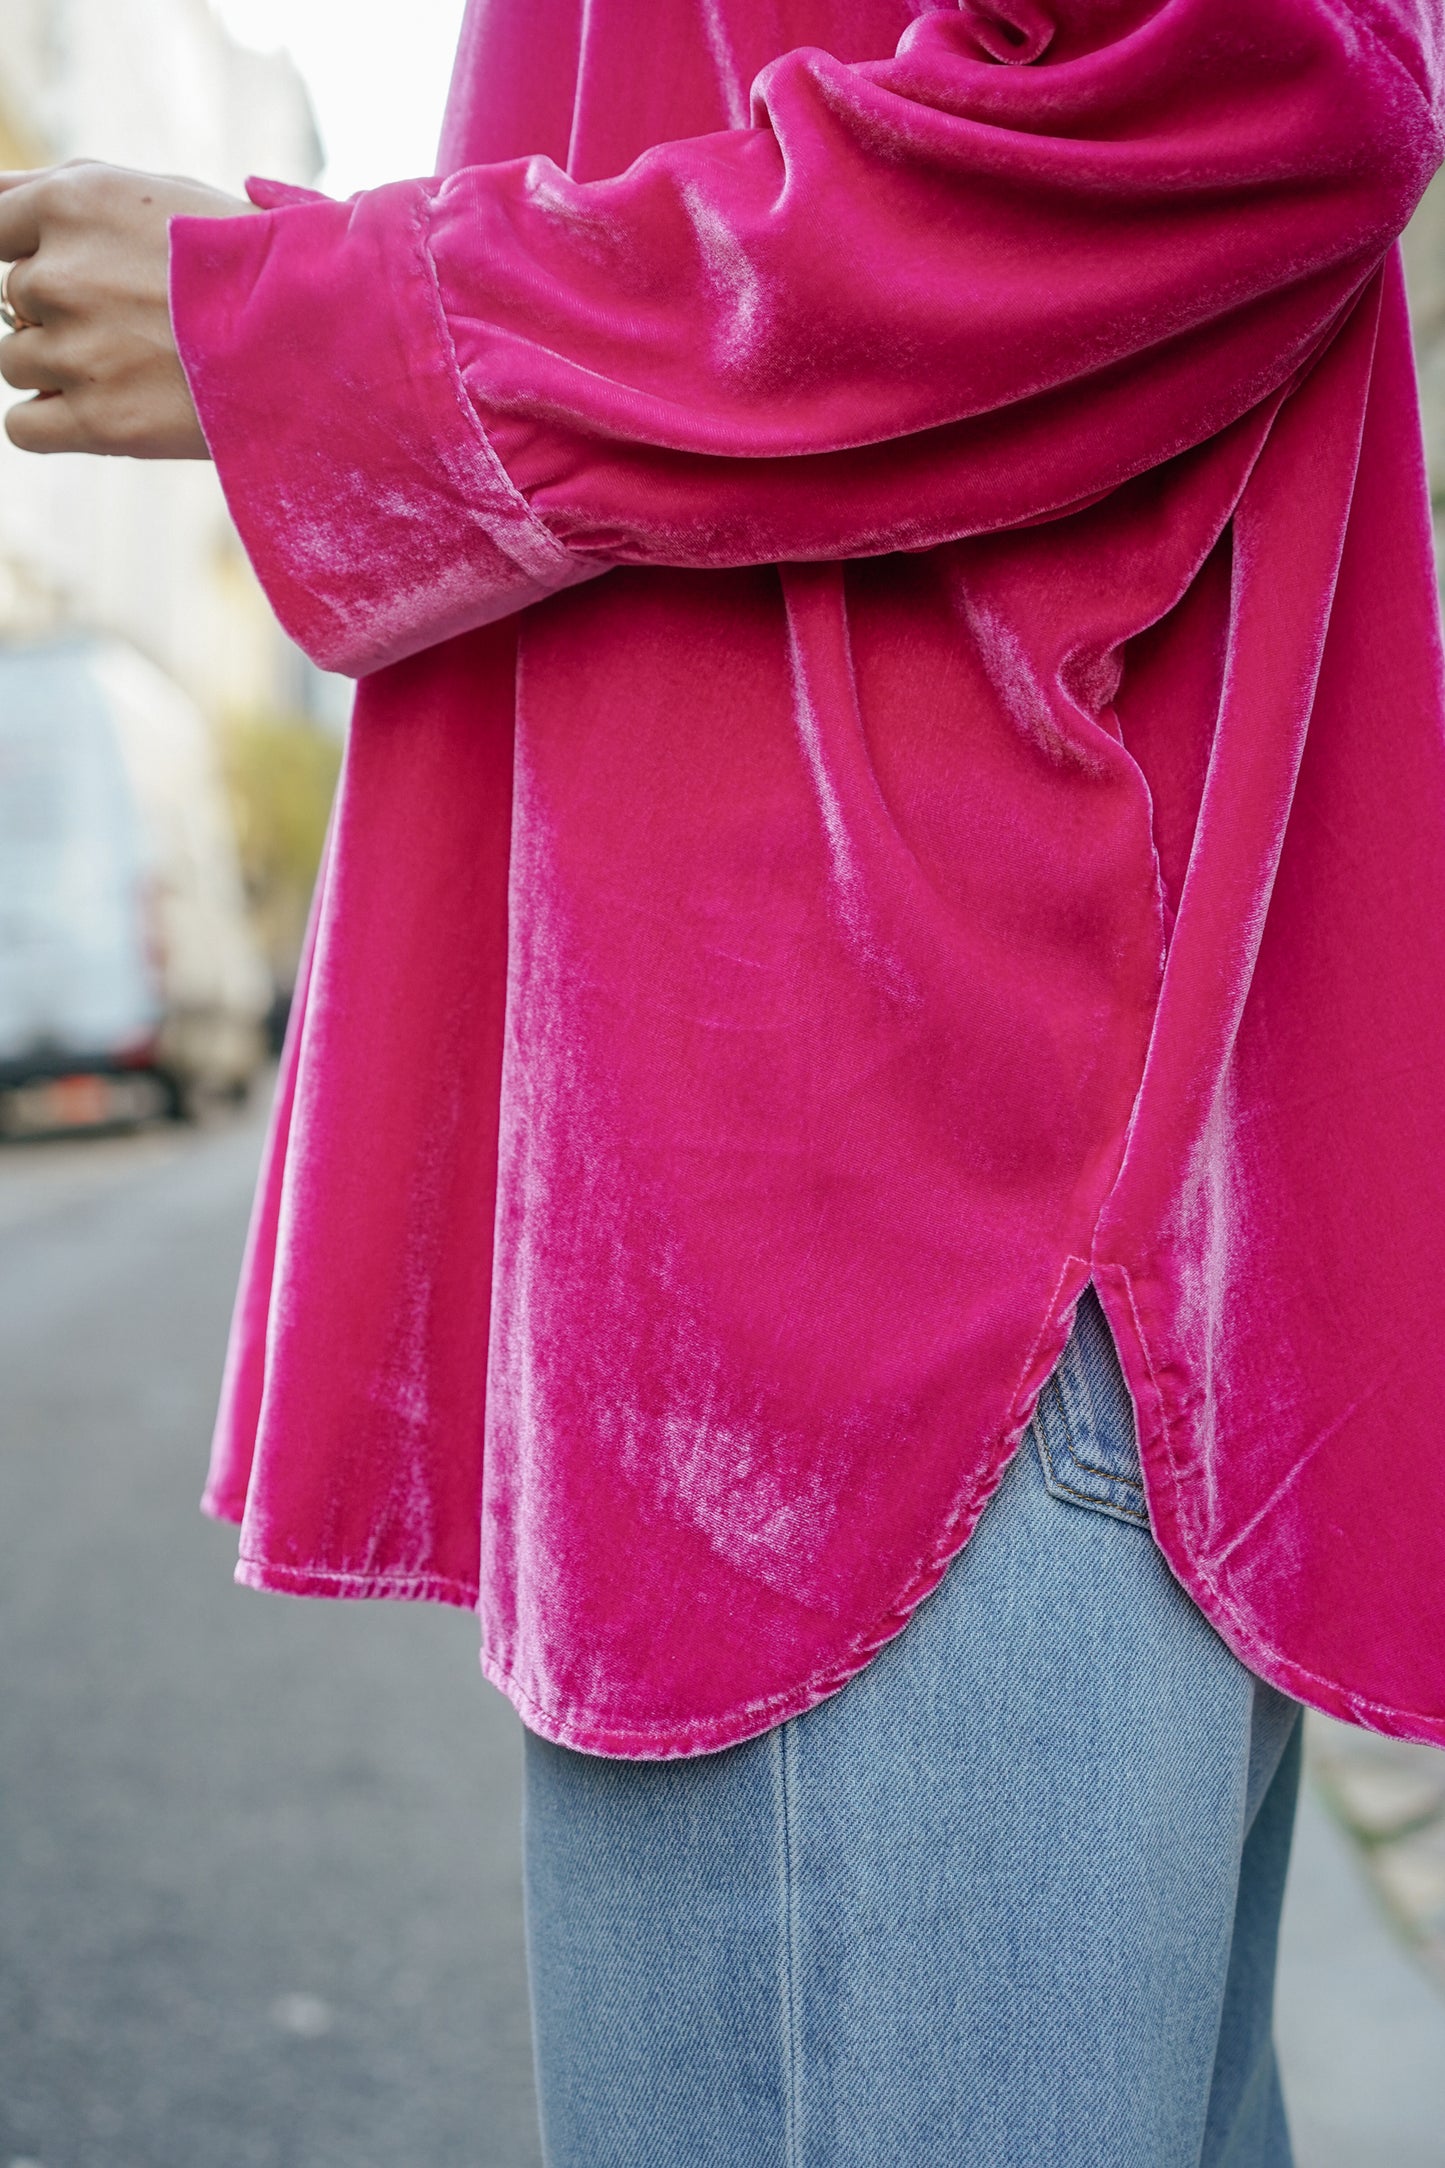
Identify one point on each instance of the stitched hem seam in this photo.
(1224, 1613)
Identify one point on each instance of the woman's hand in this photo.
(90, 256)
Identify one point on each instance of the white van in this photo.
(129, 980)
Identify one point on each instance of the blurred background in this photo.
(259, 1901)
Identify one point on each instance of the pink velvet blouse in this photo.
(899, 769)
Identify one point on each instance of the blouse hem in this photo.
(679, 1739)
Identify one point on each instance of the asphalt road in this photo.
(258, 1861)
(259, 1903)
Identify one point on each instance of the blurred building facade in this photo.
(145, 550)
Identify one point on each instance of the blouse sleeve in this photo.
(916, 299)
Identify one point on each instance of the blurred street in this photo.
(258, 1882)
(258, 1873)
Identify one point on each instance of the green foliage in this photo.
(280, 775)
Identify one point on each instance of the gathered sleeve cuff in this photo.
(362, 482)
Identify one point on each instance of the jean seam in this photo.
(1076, 1459)
(792, 2153)
(1130, 1509)
(1139, 1518)
(1088, 1467)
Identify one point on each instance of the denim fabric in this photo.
(1009, 1900)
(1084, 1426)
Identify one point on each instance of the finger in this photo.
(45, 423)
(20, 217)
(27, 364)
(19, 286)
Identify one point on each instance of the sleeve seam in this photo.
(515, 528)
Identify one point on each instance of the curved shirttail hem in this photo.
(319, 1581)
(1425, 1728)
(677, 1739)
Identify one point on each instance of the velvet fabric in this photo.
(899, 770)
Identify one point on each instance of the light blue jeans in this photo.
(1009, 1900)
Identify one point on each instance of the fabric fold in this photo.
(985, 833)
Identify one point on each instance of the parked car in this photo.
(130, 983)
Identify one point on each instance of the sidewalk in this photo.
(1361, 2018)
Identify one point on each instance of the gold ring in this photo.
(9, 315)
